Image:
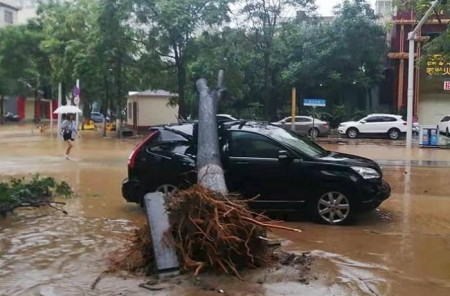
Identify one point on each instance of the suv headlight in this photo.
(367, 173)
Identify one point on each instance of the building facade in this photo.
(150, 108)
(27, 10)
(431, 101)
(384, 9)
(8, 14)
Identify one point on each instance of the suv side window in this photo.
(374, 119)
(389, 119)
(167, 149)
(445, 119)
(169, 136)
(245, 144)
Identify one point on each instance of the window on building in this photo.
(8, 17)
(130, 108)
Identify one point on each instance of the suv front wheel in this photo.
(333, 207)
(394, 134)
(352, 133)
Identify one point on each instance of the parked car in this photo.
(389, 125)
(286, 171)
(225, 118)
(11, 117)
(444, 125)
(304, 125)
(98, 117)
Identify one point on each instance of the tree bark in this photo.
(2, 114)
(269, 101)
(181, 74)
(266, 95)
(209, 167)
(369, 92)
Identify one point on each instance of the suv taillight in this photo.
(133, 155)
(326, 124)
(405, 123)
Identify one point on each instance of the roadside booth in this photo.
(429, 137)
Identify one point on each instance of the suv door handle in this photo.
(242, 162)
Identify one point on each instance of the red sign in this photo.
(446, 85)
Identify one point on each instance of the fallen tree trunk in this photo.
(209, 168)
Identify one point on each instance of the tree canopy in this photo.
(265, 47)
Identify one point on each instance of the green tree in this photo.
(324, 57)
(24, 68)
(264, 17)
(115, 45)
(171, 27)
(91, 41)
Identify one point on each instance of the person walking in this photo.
(68, 131)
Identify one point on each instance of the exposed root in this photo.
(210, 232)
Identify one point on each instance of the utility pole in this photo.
(77, 103)
(51, 115)
(59, 105)
(294, 108)
(411, 62)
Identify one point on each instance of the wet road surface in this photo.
(401, 249)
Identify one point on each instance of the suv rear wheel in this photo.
(167, 189)
(394, 134)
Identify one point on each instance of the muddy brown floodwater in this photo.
(401, 249)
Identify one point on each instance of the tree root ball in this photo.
(210, 231)
(217, 232)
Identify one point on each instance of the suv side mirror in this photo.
(363, 121)
(284, 155)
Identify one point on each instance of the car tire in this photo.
(314, 133)
(394, 134)
(446, 133)
(333, 208)
(352, 133)
(167, 189)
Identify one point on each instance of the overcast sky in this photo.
(326, 6)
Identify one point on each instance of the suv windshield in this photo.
(297, 142)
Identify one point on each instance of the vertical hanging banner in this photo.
(446, 85)
(76, 95)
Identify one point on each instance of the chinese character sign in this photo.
(447, 85)
(438, 66)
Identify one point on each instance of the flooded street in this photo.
(401, 249)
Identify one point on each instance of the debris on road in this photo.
(155, 287)
(38, 192)
(211, 233)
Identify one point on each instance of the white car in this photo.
(444, 125)
(376, 124)
(225, 118)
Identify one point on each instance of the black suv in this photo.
(285, 171)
